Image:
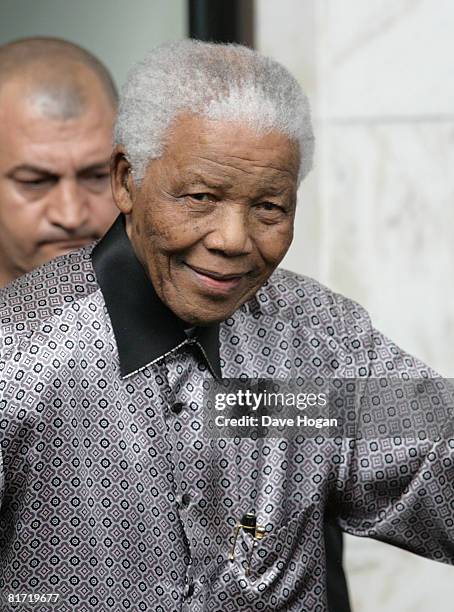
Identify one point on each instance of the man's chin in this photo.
(51, 250)
(69, 246)
(195, 319)
(200, 316)
(200, 311)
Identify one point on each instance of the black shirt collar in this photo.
(145, 328)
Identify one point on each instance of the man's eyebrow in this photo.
(273, 189)
(197, 178)
(31, 168)
(96, 167)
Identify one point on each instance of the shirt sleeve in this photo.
(397, 483)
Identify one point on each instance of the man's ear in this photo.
(121, 179)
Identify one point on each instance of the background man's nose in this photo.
(232, 233)
(68, 206)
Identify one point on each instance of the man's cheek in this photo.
(286, 239)
(179, 237)
(274, 247)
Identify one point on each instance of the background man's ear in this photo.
(121, 180)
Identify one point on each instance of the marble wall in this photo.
(375, 217)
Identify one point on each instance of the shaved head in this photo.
(56, 75)
(57, 108)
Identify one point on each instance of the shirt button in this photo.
(189, 588)
(177, 407)
(185, 500)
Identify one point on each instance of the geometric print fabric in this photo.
(114, 498)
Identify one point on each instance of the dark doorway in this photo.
(222, 21)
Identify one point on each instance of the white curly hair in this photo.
(219, 81)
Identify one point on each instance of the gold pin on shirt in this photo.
(249, 525)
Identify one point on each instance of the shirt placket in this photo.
(184, 374)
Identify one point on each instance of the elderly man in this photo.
(57, 108)
(114, 494)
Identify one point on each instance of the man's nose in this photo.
(68, 207)
(232, 232)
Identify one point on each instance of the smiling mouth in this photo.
(216, 282)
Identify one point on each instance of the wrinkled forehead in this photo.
(225, 153)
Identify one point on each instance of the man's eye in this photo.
(202, 197)
(97, 182)
(37, 182)
(270, 207)
(100, 176)
(96, 179)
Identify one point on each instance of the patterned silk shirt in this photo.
(113, 497)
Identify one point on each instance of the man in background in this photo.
(57, 108)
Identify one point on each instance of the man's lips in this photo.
(217, 275)
(216, 281)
